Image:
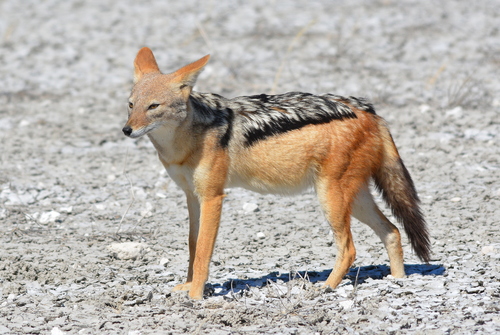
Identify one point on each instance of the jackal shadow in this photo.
(357, 276)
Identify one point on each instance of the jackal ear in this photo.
(187, 75)
(144, 62)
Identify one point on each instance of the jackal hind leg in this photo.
(337, 210)
(366, 210)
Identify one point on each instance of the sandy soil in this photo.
(71, 185)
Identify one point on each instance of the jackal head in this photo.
(159, 99)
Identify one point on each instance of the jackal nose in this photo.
(127, 130)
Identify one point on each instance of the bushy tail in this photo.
(394, 182)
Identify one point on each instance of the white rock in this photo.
(441, 136)
(147, 210)
(126, 250)
(260, 235)
(456, 199)
(5, 124)
(24, 123)
(457, 112)
(11, 297)
(139, 192)
(161, 195)
(250, 207)
(49, 217)
(100, 206)
(164, 261)
(56, 331)
(277, 290)
(346, 304)
(296, 290)
(435, 284)
(16, 198)
(67, 209)
(491, 249)
(474, 290)
(44, 194)
(424, 108)
(478, 134)
(33, 216)
(341, 292)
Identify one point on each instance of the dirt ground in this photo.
(73, 189)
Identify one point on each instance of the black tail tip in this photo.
(421, 244)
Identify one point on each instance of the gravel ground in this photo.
(74, 191)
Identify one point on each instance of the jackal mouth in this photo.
(136, 133)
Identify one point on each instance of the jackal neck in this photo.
(211, 112)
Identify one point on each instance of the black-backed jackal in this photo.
(274, 144)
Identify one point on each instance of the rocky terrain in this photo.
(94, 233)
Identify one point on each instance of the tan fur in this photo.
(336, 158)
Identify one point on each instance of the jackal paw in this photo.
(182, 287)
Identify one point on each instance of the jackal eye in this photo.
(130, 105)
(153, 106)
